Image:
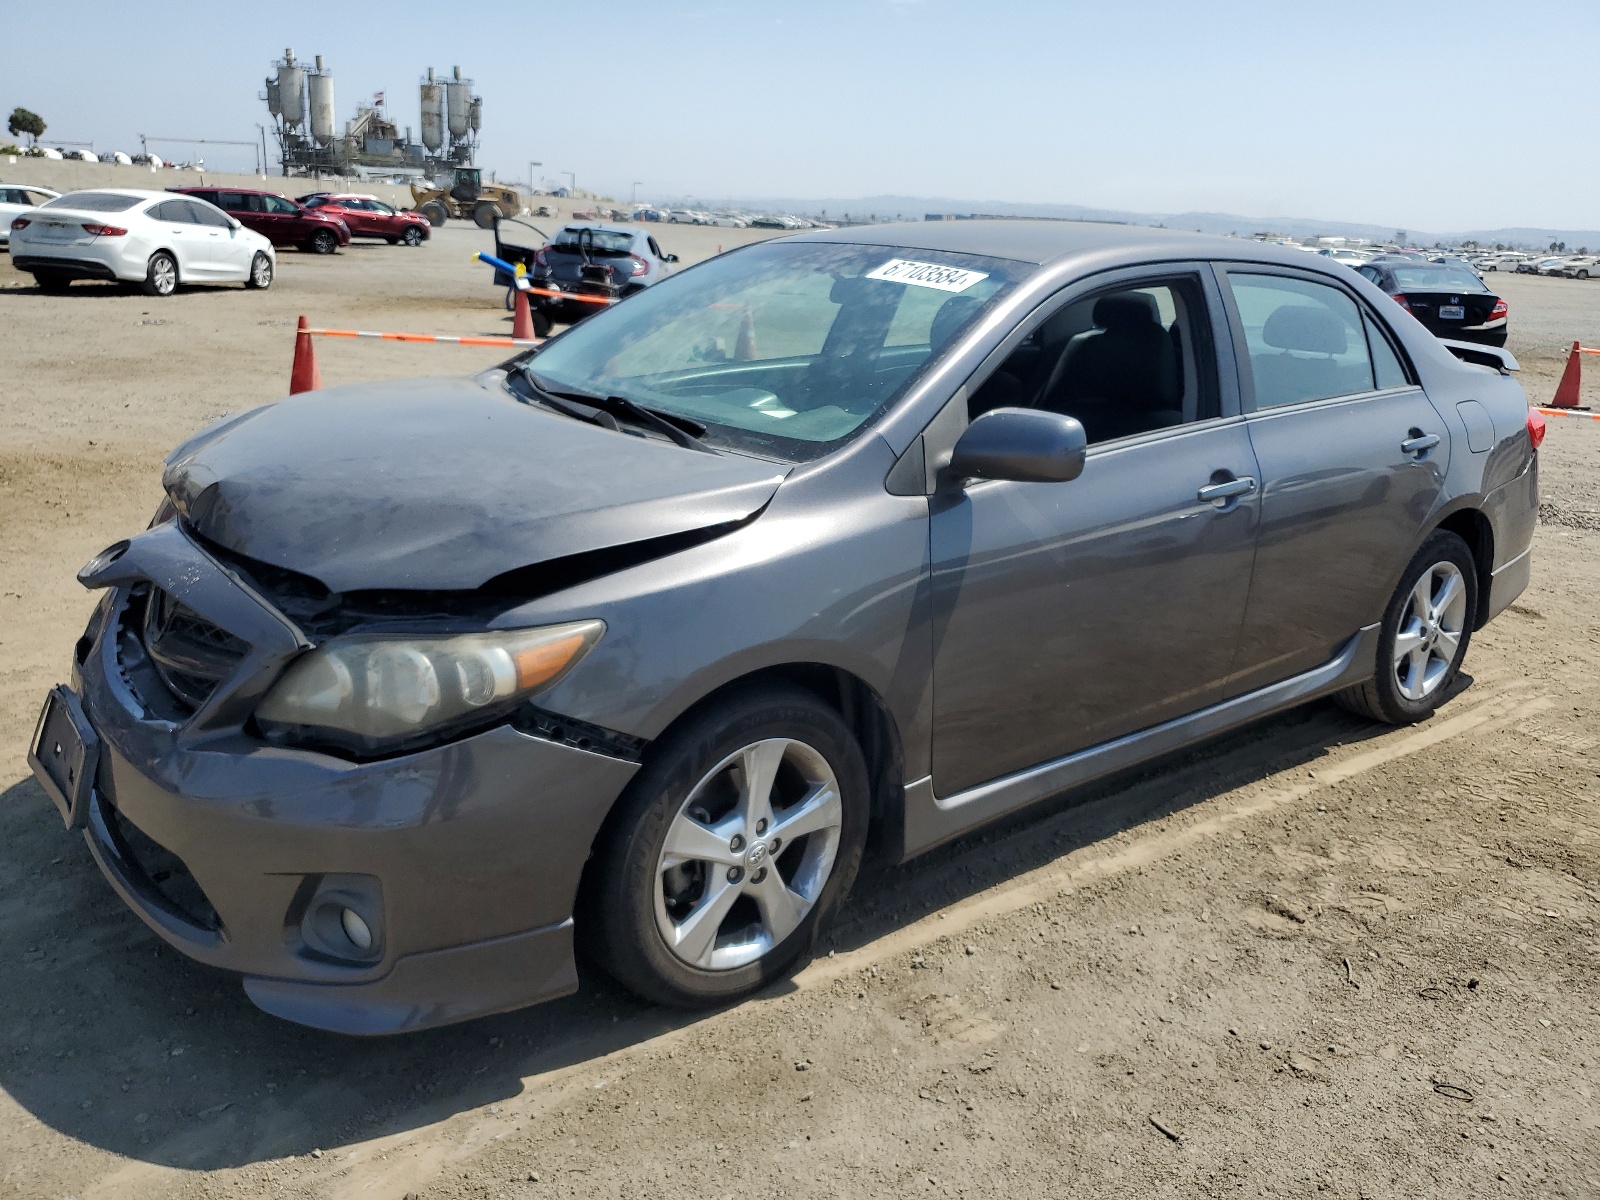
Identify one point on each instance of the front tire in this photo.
(730, 850)
(435, 213)
(260, 276)
(1424, 636)
(161, 275)
(323, 241)
(412, 237)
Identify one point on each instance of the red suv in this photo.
(280, 221)
(369, 217)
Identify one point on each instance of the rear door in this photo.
(1352, 458)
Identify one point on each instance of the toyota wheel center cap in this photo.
(757, 855)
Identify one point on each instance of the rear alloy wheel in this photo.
(730, 850)
(1583, 274)
(1424, 635)
(260, 272)
(324, 241)
(161, 276)
(412, 236)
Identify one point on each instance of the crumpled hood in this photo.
(442, 484)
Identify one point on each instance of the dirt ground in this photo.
(1316, 957)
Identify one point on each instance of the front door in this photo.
(1353, 459)
(1068, 614)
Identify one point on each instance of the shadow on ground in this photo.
(116, 1040)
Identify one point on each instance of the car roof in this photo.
(346, 195)
(218, 187)
(1046, 241)
(136, 193)
(598, 227)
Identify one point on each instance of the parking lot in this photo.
(1314, 957)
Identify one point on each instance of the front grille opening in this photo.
(166, 878)
(172, 656)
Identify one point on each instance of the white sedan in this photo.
(155, 239)
(16, 199)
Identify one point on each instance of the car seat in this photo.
(1121, 377)
(1301, 364)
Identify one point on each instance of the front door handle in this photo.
(1220, 493)
(1420, 443)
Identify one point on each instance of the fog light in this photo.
(356, 929)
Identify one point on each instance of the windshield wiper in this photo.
(669, 425)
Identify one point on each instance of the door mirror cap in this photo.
(1024, 445)
(235, 223)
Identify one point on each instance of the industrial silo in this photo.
(475, 117)
(321, 86)
(273, 105)
(291, 90)
(432, 113)
(459, 92)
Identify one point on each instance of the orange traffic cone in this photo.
(744, 349)
(522, 318)
(304, 376)
(1571, 379)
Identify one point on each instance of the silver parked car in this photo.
(638, 639)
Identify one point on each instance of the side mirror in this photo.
(1025, 445)
(671, 258)
(235, 223)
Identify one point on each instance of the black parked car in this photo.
(1450, 300)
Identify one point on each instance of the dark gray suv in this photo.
(634, 641)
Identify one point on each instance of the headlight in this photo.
(372, 694)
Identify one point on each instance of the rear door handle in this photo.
(1221, 493)
(1420, 444)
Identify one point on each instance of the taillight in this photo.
(1500, 310)
(639, 266)
(1403, 303)
(106, 231)
(20, 223)
(1535, 427)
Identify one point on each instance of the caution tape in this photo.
(1567, 412)
(518, 272)
(425, 337)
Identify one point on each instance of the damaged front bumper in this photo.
(361, 897)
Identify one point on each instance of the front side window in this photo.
(785, 349)
(1305, 340)
(378, 206)
(1122, 362)
(175, 212)
(204, 214)
(277, 204)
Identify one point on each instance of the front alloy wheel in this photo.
(748, 854)
(730, 850)
(412, 236)
(260, 272)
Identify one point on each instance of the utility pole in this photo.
(574, 179)
(637, 183)
(531, 166)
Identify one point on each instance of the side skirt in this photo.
(932, 820)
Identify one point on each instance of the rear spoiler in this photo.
(1492, 357)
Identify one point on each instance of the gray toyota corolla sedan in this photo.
(634, 642)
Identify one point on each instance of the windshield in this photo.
(784, 349)
(93, 201)
(605, 241)
(1438, 279)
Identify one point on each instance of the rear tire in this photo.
(161, 275)
(640, 901)
(1424, 636)
(260, 277)
(52, 281)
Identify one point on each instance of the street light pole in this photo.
(574, 180)
(531, 166)
(636, 185)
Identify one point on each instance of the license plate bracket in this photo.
(64, 754)
(1452, 312)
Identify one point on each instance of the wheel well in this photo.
(177, 270)
(1472, 527)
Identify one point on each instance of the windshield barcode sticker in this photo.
(929, 275)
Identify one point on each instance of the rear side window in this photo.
(1306, 340)
(93, 202)
(1387, 368)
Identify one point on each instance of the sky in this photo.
(1413, 113)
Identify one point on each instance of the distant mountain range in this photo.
(914, 208)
